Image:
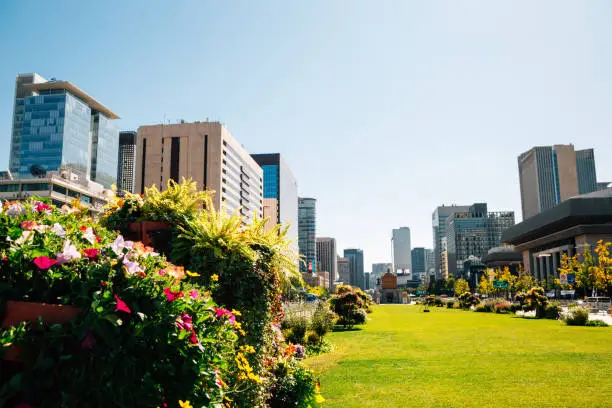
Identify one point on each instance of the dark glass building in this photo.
(307, 218)
(126, 170)
(356, 269)
(419, 262)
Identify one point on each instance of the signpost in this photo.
(421, 292)
(571, 278)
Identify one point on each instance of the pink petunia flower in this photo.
(194, 294)
(172, 296)
(44, 262)
(121, 306)
(28, 225)
(40, 207)
(184, 322)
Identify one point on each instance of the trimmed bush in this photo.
(450, 304)
(596, 323)
(295, 327)
(576, 316)
(553, 311)
(484, 308)
(311, 337)
(467, 300)
(515, 307)
(349, 304)
(438, 302)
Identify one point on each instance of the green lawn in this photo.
(450, 358)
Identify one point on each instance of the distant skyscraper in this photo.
(57, 125)
(551, 174)
(379, 269)
(307, 219)
(207, 153)
(472, 233)
(430, 262)
(355, 257)
(326, 257)
(402, 258)
(419, 263)
(280, 197)
(603, 185)
(344, 270)
(439, 220)
(126, 169)
(366, 280)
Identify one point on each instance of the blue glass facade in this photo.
(105, 145)
(271, 180)
(585, 168)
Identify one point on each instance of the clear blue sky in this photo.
(383, 109)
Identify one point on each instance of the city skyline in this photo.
(560, 94)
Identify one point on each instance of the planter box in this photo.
(17, 312)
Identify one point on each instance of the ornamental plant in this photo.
(535, 299)
(147, 334)
(467, 300)
(349, 304)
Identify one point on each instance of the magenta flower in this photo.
(121, 306)
(172, 296)
(219, 312)
(44, 262)
(184, 322)
(91, 253)
(40, 207)
(194, 294)
(28, 225)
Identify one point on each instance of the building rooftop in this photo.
(76, 91)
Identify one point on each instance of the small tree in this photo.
(485, 286)
(602, 273)
(349, 305)
(535, 299)
(461, 286)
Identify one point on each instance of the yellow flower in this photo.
(185, 404)
(113, 262)
(214, 277)
(242, 332)
(236, 312)
(192, 274)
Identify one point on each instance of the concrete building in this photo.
(569, 228)
(327, 258)
(472, 233)
(126, 169)
(344, 270)
(366, 280)
(317, 279)
(307, 232)
(419, 263)
(439, 220)
(56, 125)
(552, 174)
(430, 262)
(603, 185)
(356, 270)
(280, 196)
(61, 187)
(207, 153)
(379, 269)
(402, 257)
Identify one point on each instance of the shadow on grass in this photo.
(346, 329)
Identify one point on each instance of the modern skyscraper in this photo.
(57, 125)
(307, 222)
(551, 174)
(280, 197)
(430, 262)
(439, 220)
(402, 258)
(326, 257)
(126, 169)
(344, 270)
(379, 269)
(356, 273)
(472, 233)
(207, 153)
(419, 263)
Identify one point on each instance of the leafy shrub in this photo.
(323, 319)
(596, 323)
(450, 304)
(576, 316)
(438, 302)
(502, 307)
(295, 327)
(553, 310)
(467, 300)
(311, 337)
(535, 299)
(429, 300)
(484, 308)
(456, 305)
(349, 305)
(514, 307)
(293, 386)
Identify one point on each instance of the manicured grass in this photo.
(451, 358)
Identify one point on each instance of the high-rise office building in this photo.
(207, 153)
(419, 263)
(57, 126)
(356, 273)
(366, 280)
(344, 270)
(439, 220)
(470, 234)
(402, 258)
(379, 269)
(126, 169)
(430, 262)
(327, 257)
(307, 222)
(551, 174)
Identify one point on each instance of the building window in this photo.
(175, 151)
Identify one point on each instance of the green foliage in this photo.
(349, 304)
(311, 337)
(295, 326)
(294, 386)
(596, 323)
(484, 307)
(467, 300)
(450, 304)
(553, 311)
(502, 307)
(323, 319)
(576, 316)
(535, 299)
(461, 286)
(438, 302)
(320, 291)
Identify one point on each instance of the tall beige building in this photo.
(205, 152)
(552, 174)
(344, 270)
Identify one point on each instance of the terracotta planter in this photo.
(145, 231)
(17, 312)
